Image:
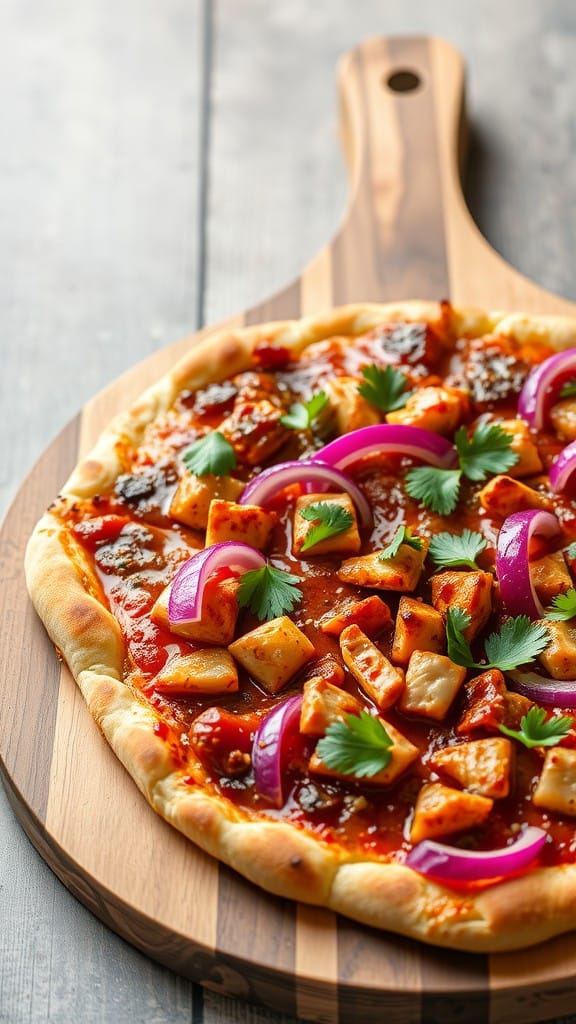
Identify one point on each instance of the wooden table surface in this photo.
(166, 163)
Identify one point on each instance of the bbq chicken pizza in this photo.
(318, 589)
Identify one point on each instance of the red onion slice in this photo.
(269, 744)
(562, 469)
(512, 559)
(542, 385)
(187, 589)
(271, 481)
(454, 865)
(388, 438)
(560, 693)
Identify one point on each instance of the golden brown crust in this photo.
(280, 857)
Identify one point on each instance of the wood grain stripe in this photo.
(379, 976)
(455, 987)
(31, 669)
(317, 965)
(256, 937)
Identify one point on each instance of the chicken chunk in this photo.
(218, 617)
(556, 789)
(550, 576)
(273, 652)
(419, 627)
(488, 704)
(471, 591)
(563, 418)
(377, 676)
(432, 682)
(348, 409)
(323, 704)
(439, 409)
(372, 614)
(249, 524)
(254, 430)
(481, 766)
(191, 502)
(503, 495)
(559, 657)
(346, 543)
(440, 811)
(402, 572)
(209, 671)
(529, 461)
(403, 754)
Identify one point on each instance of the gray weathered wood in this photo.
(103, 258)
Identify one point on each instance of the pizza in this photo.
(317, 587)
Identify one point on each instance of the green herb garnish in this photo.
(487, 451)
(403, 535)
(563, 606)
(384, 387)
(571, 550)
(518, 642)
(449, 549)
(357, 746)
(211, 454)
(536, 731)
(269, 592)
(301, 415)
(329, 519)
(437, 489)
(568, 390)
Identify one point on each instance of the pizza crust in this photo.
(280, 857)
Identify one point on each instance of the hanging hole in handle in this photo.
(403, 80)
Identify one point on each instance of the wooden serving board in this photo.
(406, 234)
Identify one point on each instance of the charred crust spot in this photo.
(295, 861)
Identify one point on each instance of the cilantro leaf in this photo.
(487, 451)
(269, 592)
(457, 620)
(448, 549)
(518, 642)
(571, 550)
(563, 606)
(357, 746)
(568, 390)
(384, 387)
(329, 519)
(301, 415)
(403, 535)
(211, 454)
(437, 489)
(536, 731)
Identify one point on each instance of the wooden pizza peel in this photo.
(406, 234)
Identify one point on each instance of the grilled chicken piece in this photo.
(399, 573)
(559, 657)
(471, 591)
(345, 543)
(556, 789)
(191, 502)
(440, 811)
(372, 615)
(247, 523)
(377, 676)
(273, 652)
(502, 496)
(439, 409)
(348, 410)
(529, 461)
(218, 619)
(480, 766)
(403, 754)
(432, 682)
(419, 627)
(322, 704)
(209, 671)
